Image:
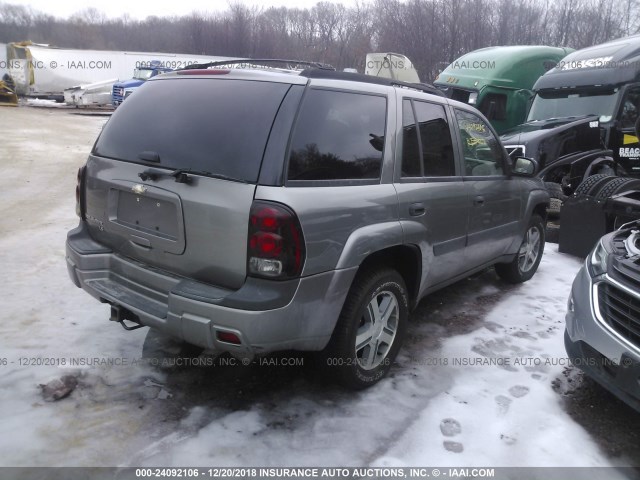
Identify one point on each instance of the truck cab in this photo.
(499, 80)
(602, 80)
(597, 89)
(144, 72)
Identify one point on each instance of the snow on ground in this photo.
(432, 410)
(42, 102)
(500, 410)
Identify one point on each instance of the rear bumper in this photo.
(265, 315)
(596, 350)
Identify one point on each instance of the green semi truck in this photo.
(499, 81)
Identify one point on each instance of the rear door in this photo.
(433, 202)
(172, 176)
(495, 200)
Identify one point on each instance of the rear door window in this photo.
(338, 136)
(427, 147)
(206, 125)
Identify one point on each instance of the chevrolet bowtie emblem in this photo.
(139, 189)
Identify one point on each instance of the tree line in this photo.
(432, 33)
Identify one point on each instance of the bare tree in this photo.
(432, 33)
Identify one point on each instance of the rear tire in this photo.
(611, 187)
(619, 185)
(592, 185)
(525, 264)
(370, 330)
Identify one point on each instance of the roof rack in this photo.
(359, 77)
(253, 62)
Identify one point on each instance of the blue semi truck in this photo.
(141, 74)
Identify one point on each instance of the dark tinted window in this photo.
(410, 145)
(460, 95)
(427, 150)
(630, 109)
(338, 136)
(494, 106)
(483, 154)
(217, 126)
(435, 139)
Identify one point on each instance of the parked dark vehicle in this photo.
(602, 334)
(264, 211)
(582, 117)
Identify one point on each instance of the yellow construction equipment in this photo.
(8, 95)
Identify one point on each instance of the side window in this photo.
(435, 140)
(483, 154)
(427, 148)
(338, 136)
(630, 109)
(494, 106)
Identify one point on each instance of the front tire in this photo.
(370, 330)
(557, 198)
(525, 264)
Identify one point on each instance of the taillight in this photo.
(276, 244)
(79, 193)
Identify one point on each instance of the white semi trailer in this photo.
(46, 71)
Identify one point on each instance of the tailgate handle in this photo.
(140, 242)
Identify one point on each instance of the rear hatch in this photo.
(171, 178)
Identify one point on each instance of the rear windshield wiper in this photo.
(183, 175)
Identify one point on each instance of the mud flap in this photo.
(583, 221)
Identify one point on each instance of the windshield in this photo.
(142, 73)
(574, 103)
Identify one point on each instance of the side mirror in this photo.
(524, 166)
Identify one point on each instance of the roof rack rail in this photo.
(290, 64)
(359, 77)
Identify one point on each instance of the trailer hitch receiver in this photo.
(120, 314)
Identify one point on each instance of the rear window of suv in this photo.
(206, 125)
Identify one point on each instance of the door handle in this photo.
(417, 209)
(140, 242)
(478, 201)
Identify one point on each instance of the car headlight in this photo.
(597, 262)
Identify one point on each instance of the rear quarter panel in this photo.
(363, 218)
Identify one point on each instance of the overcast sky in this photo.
(141, 9)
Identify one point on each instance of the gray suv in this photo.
(253, 211)
(602, 334)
